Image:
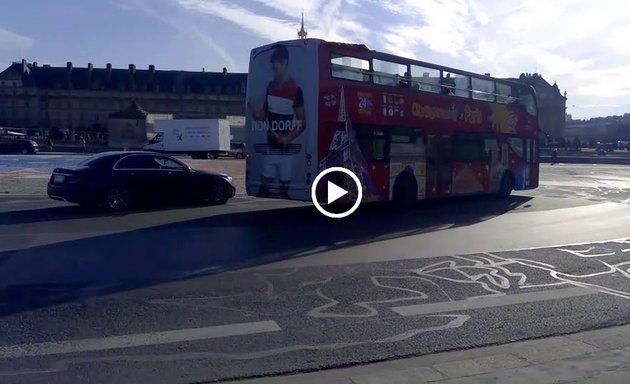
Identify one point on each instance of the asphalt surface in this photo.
(260, 287)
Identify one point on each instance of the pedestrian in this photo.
(84, 143)
(50, 143)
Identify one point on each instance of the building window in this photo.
(15, 83)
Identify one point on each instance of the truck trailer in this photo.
(198, 138)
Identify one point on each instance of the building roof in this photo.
(133, 111)
(130, 79)
(538, 82)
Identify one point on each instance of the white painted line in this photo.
(564, 245)
(137, 340)
(493, 301)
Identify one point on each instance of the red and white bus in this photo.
(408, 129)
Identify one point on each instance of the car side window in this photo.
(137, 162)
(166, 163)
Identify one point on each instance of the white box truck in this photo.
(198, 138)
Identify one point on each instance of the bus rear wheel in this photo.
(507, 185)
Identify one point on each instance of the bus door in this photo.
(492, 155)
(535, 163)
(471, 167)
(531, 163)
(439, 166)
(371, 163)
(407, 154)
(524, 163)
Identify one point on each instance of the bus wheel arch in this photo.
(405, 190)
(507, 184)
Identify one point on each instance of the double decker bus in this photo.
(409, 130)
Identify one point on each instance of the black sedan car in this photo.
(18, 146)
(121, 180)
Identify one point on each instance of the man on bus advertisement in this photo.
(278, 120)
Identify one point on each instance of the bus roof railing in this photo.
(437, 87)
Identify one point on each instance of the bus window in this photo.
(516, 143)
(350, 68)
(503, 93)
(373, 143)
(467, 147)
(527, 101)
(482, 89)
(425, 79)
(455, 84)
(389, 73)
(403, 139)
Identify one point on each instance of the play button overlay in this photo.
(334, 192)
(342, 179)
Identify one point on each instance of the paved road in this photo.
(136, 297)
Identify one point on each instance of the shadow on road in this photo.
(67, 271)
(69, 211)
(63, 212)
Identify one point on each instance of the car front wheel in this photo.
(219, 193)
(118, 199)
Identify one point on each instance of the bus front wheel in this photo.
(507, 185)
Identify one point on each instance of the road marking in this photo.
(136, 340)
(493, 301)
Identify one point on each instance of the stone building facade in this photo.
(41, 98)
(551, 105)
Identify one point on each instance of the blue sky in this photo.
(580, 44)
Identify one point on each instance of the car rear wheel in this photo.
(219, 193)
(239, 155)
(118, 199)
(24, 151)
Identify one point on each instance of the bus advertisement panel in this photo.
(281, 120)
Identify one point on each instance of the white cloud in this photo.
(12, 40)
(293, 8)
(324, 18)
(581, 44)
(266, 27)
(187, 29)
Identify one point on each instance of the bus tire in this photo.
(507, 185)
(405, 190)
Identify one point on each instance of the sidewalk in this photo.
(600, 356)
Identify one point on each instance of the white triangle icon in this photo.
(335, 192)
